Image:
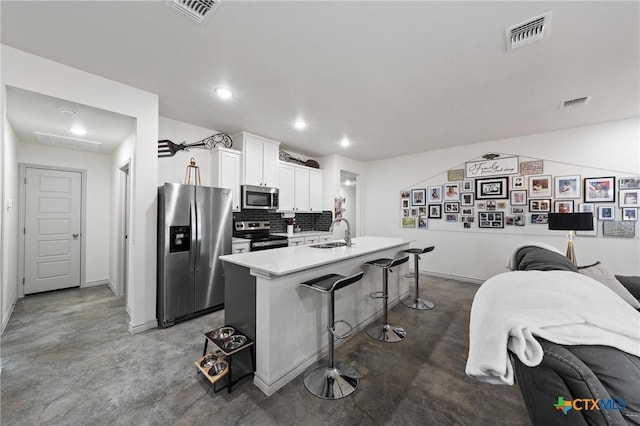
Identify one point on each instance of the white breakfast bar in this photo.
(287, 322)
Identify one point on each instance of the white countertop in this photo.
(301, 234)
(288, 260)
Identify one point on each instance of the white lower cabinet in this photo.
(324, 239)
(296, 241)
(311, 240)
(240, 247)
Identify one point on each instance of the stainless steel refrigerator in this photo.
(194, 229)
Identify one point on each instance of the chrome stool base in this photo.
(331, 383)
(386, 333)
(413, 303)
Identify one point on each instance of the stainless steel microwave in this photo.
(259, 197)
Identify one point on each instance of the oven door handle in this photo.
(269, 243)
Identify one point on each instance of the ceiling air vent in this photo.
(198, 10)
(65, 142)
(528, 31)
(575, 102)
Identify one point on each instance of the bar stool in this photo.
(385, 331)
(331, 379)
(415, 302)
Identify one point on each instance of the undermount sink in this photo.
(330, 245)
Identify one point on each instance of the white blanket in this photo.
(563, 307)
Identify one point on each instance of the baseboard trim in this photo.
(95, 283)
(112, 287)
(7, 317)
(133, 329)
(451, 277)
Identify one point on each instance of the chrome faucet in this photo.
(347, 232)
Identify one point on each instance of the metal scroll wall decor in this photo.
(285, 156)
(167, 148)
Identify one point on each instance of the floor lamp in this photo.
(571, 222)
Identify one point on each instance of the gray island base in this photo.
(287, 322)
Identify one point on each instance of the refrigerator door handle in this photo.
(192, 252)
(198, 235)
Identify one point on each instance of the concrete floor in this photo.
(67, 359)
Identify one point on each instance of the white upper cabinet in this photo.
(286, 185)
(300, 188)
(259, 159)
(226, 172)
(316, 185)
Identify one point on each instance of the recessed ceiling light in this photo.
(79, 131)
(299, 124)
(224, 93)
(345, 142)
(67, 111)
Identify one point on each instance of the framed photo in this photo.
(404, 203)
(418, 197)
(422, 222)
(405, 194)
(414, 212)
(586, 208)
(508, 220)
(492, 188)
(563, 206)
(492, 205)
(422, 211)
(629, 197)
(518, 220)
(467, 185)
(630, 213)
(468, 219)
(467, 199)
(482, 206)
(451, 207)
(517, 210)
(452, 191)
(518, 197)
(467, 211)
(408, 222)
(435, 194)
(406, 213)
(567, 187)
(540, 186)
(629, 182)
(600, 190)
(435, 211)
(607, 212)
(490, 220)
(452, 218)
(540, 206)
(540, 219)
(518, 182)
(501, 205)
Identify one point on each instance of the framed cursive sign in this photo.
(495, 167)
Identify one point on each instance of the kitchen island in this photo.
(288, 323)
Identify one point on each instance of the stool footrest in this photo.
(341, 336)
(378, 295)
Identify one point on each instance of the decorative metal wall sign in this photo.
(166, 148)
(495, 167)
(619, 229)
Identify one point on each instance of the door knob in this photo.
(75, 236)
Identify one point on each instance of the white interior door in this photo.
(52, 229)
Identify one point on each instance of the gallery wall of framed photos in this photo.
(514, 194)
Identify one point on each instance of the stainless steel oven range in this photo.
(257, 231)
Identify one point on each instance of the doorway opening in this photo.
(349, 191)
(123, 231)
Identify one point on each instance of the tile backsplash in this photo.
(307, 221)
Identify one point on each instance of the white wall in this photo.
(609, 149)
(10, 180)
(98, 202)
(30, 72)
(122, 155)
(173, 169)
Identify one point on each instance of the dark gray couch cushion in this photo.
(631, 283)
(532, 258)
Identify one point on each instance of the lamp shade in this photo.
(571, 221)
